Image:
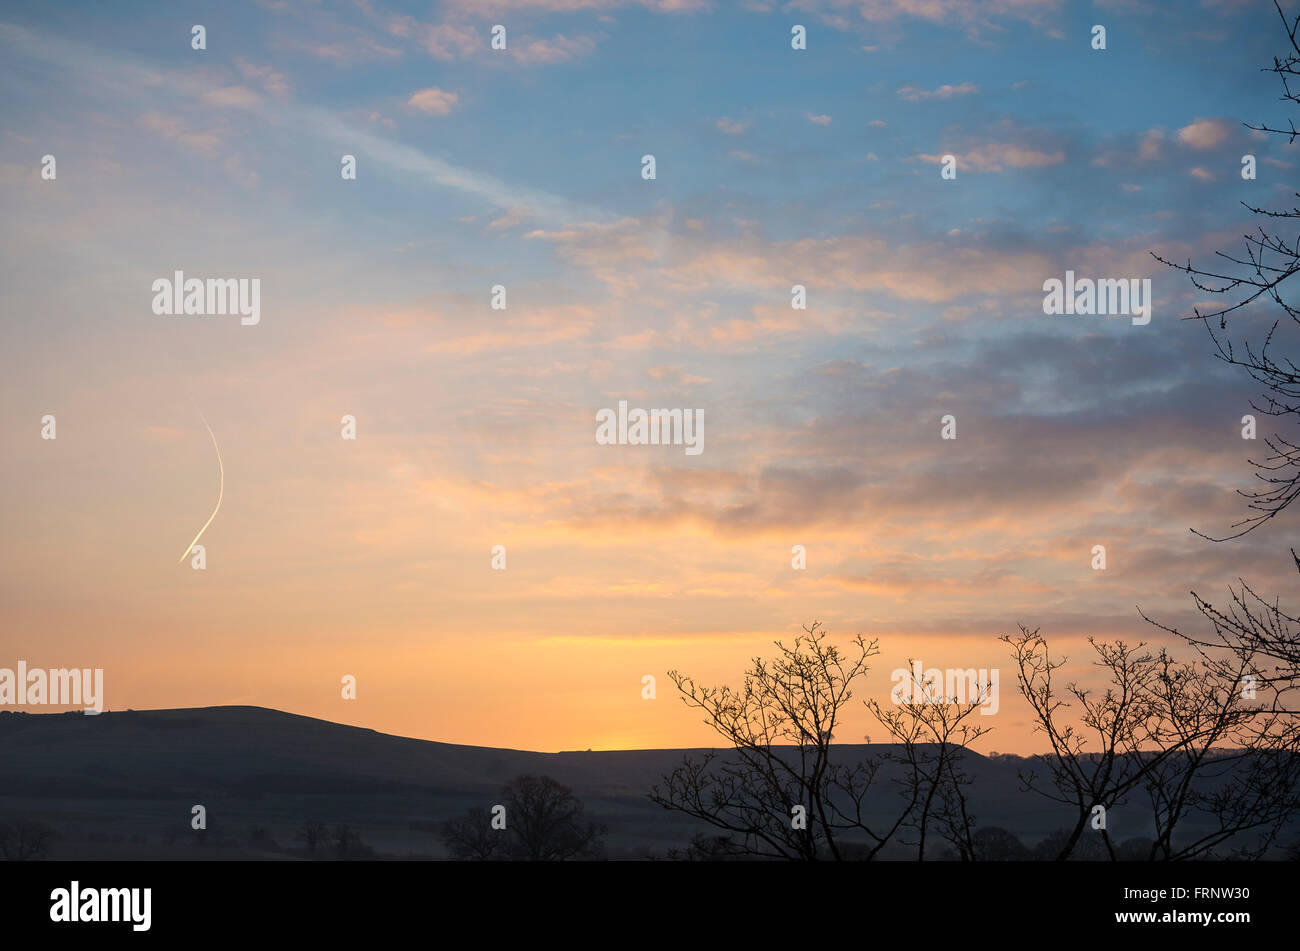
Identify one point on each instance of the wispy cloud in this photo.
(112, 77)
(997, 156)
(544, 51)
(175, 129)
(434, 101)
(1204, 134)
(916, 94)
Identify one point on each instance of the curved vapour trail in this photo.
(221, 489)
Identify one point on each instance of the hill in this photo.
(122, 785)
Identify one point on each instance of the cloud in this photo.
(408, 159)
(453, 41)
(521, 330)
(350, 53)
(176, 130)
(973, 16)
(246, 177)
(1204, 134)
(732, 126)
(442, 41)
(1072, 431)
(434, 101)
(632, 256)
(277, 84)
(915, 94)
(1149, 148)
(76, 62)
(818, 120)
(996, 156)
(674, 374)
(238, 97)
(513, 218)
(543, 51)
(1201, 174)
(577, 6)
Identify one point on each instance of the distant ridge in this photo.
(123, 785)
(143, 752)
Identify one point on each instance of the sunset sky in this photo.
(476, 427)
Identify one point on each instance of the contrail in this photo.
(221, 490)
(109, 76)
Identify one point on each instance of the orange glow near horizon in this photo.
(827, 487)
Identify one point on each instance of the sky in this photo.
(475, 427)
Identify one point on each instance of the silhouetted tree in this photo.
(995, 844)
(709, 848)
(1180, 733)
(1257, 633)
(25, 840)
(348, 844)
(1116, 723)
(1251, 637)
(1252, 631)
(1261, 273)
(544, 822)
(312, 833)
(1064, 844)
(779, 725)
(1231, 767)
(1091, 849)
(932, 735)
(470, 837)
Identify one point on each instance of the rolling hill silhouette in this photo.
(123, 784)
